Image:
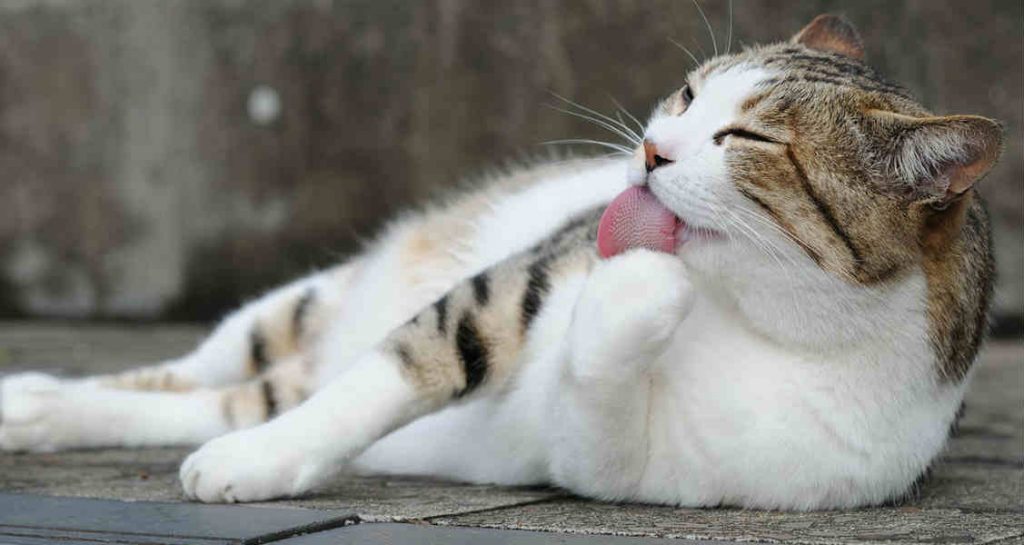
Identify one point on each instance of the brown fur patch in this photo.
(162, 378)
(958, 264)
(835, 190)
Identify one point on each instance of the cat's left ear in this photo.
(938, 158)
(831, 33)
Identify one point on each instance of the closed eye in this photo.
(719, 136)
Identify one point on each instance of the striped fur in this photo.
(473, 335)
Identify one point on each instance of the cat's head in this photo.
(795, 163)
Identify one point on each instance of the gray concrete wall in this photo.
(166, 159)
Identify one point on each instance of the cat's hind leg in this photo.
(466, 345)
(278, 327)
(47, 414)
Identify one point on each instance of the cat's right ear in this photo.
(831, 33)
(938, 159)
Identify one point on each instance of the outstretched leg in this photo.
(48, 415)
(467, 343)
(179, 401)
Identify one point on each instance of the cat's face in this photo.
(796, 160)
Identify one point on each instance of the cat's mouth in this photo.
(637, 219)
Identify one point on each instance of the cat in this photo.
(773, 302)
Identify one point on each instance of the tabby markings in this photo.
(473, 353)
(258, 350)
(300, 312)
(823, 210)
(269, 400)
(481, 289)
(441, 308)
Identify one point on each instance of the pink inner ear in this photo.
(963, 176)
(833, 34)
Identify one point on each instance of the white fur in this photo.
(43, 414)
(737, 372)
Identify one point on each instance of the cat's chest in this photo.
(726, 402)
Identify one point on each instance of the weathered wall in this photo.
(169, 158)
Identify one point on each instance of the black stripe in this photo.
(864, 86)
(269, 400)
(404, 354)
(258, 350)
(481, 288)
(823, 210)
(472, 352)
(719, 136)
(299, 314)
(441, 308)
(537, 287)
(836, 68)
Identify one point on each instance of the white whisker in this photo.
(600, 115)
(616, 147)
(628, 115)
(714, 42)
(686, 50)
(728, 48)
(628, 136)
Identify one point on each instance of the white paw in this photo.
(250, 465)
(630, 308)
(30, 408)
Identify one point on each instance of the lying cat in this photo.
(779, 310)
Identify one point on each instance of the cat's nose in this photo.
(652, 159)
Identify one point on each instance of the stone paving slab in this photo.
(60, 519)
(882, 525)
(152, 475)
(380, 499)
(419, 534)
(975, 494)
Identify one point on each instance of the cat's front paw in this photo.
(249, 465)
(30, 413)
(630, 308)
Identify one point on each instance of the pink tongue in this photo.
(635, 219)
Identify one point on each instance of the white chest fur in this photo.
(737, 419)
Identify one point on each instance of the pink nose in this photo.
(651, 158)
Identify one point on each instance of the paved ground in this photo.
(975, 495)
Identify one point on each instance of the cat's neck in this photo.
(824, 314)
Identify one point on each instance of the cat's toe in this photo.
(27, 405)
(641, 290)
(244, 466)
